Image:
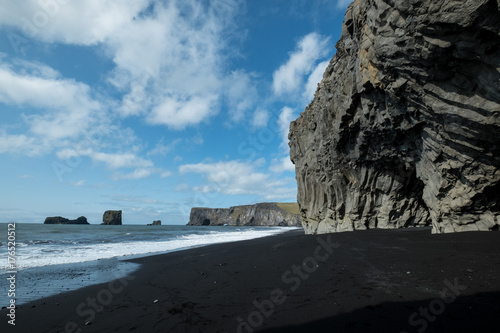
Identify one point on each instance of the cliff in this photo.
(62, 220)
(261, 214)
(404, 127)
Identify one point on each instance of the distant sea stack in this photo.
(261, 214)
(157, 222)
(404, 128)
(112, 217)
(62, 220)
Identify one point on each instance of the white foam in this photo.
(37, 256)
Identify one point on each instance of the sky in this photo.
(153, 107)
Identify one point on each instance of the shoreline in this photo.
(374, 280)
(44, 281)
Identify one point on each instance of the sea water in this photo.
(51, 259)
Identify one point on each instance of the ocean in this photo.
(51, 259)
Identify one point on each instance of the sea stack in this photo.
(157, 222)
(112, 217)
(404, 127)
(63, 220)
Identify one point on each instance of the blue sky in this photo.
(154, 106)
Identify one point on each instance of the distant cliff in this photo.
(404, 128)
(62, 220)
(261, 214)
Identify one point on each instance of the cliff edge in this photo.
(261, 214)
(404, 127)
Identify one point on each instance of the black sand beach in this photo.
(403, 280)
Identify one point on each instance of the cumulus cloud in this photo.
(289, 77)
(72, 22)
(260, 118)
(313, 80)
(111, 160)
(236, 177)
(283, 164)
(176, 76)
(19, 144)
(177, 112)
(43, 88)
(241, 94)
(59, 109)
(287, 115)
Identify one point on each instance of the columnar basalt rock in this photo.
(261, 214)
(404, 127)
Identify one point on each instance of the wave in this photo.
(39, 253)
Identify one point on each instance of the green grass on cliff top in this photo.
(290, 207)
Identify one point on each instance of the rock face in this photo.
(261, 214)
(112, 217)
(404, 128)
(62, 220)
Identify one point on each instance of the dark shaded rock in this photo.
(62, 220)
(157, 222)
(112, 217)
(404, 127)
(261, 214)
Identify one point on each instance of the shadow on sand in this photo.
(478, 314)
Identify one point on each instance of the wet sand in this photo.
(403, 280)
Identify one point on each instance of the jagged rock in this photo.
(261, 214)
(404, 127)
(62, 220)
(112, 217)
(157, 222)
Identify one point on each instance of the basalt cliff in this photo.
(404, 128)
(261, 214)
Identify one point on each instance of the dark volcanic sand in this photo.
(374, 281)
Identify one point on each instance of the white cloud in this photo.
(120, 160)
(288, 79)
(283, 164)
(241, 93)
(136, 174)
(73, 22)
(287, 115)
(341, 4)
(236, 177)
(176, 76)
(183, 187)
(163, 149)
(111, 160)
(80, 183)
(20, 144)
(178, 112)
(67, 107)
(315, 78)
(260, 118)
(166, 174)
